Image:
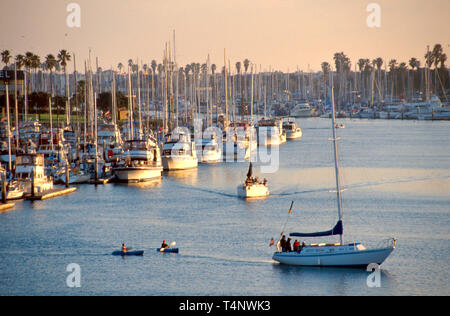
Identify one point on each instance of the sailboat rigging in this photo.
(334, 254)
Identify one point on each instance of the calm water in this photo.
(397, 176)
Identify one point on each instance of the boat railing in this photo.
(387, 243)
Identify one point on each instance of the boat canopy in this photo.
(337, 230)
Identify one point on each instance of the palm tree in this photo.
(326, 68)
(402, 69)
(120, 67)
(238, 70)
(35, 64)
(6, 57)
(50, 62)
(154, 64)
(20, 61)
(413, 63)
(63, 58)
(392, 71)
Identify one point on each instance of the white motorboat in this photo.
(141, 161)
(209, 151)
(252, 187)
(29, 166)
(270, 133)
(76, 176)
(333, 254)
(302, 109)
(14, 190)
(292, 131)
(179, 151)
(240, 142)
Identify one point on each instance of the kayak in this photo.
(128, 253)
(172, 250)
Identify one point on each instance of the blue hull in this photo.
(172, 250)
(128, 253)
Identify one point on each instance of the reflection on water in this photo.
(143, 185)
(338, 281)
(189, 176)
(394, 188)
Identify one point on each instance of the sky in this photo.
(284, 35)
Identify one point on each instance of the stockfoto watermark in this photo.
(374, 278)
(374, 18)
(74, 18)
(73, 280)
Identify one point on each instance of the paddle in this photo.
(171, 245)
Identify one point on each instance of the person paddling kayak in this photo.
(124, 249)
(164, 245)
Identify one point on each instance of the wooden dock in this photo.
(50, 194)
(6, 206)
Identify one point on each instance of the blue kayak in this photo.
(172, 250)
(128, 253)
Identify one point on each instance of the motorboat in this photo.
(302, 109)
(30, 172)
(271, 133)
(240, 142)
(179, 151)
(208, 150)
(141, 161)
(292, 131)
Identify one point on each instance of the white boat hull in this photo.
(211, 157)
(235, 153)
(296, 134)
(301, 113)
(137, 174)
(179, 163)
(356, 258)
(14, 194)
(252, 191)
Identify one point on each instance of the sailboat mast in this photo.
(336, 162)
(225, 122)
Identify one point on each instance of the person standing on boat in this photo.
(283, 243)
(288, 245)
(296, 245)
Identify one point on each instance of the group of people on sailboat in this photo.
(285, 245)
(253, 180)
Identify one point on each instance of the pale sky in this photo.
(281, 34)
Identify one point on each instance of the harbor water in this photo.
(396, 176)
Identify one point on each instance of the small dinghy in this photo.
(172, 250)
(128, 253)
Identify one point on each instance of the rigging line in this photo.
(287, 219)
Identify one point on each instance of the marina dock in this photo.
(50, 194)
(6, 207)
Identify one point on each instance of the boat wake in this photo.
(228, 259)
(366, 184)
